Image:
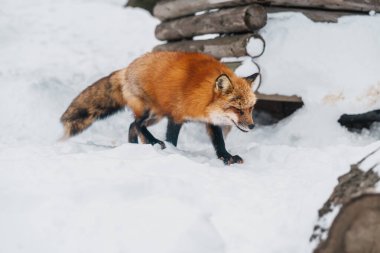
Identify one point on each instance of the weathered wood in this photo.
(145, 4)
(270, 109)
(280, 98)
(233, 65)
(314, 15)
(228, 46)
(169, 9)
(357, 122)
(356, 228)
(354, 183)
(233, 20)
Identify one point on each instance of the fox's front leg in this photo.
(172, 131)
(216, 135)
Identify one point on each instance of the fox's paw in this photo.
(231, 159)
(161, 143)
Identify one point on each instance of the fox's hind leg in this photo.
(139, 128)
(133, 133)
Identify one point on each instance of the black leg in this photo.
(216, 135)
(172, 132)
(140, 125)
(133, 133)
(149, 137)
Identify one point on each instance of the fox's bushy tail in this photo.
(98, 101)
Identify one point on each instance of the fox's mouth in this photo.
(237, 125)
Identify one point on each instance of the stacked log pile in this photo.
(242, 21)
(237, 21)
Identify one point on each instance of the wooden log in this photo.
(228, 46)
(342, 5)
(145, 4)
(270, 109)
(355, 228)
(233, 20)
(358, 122)
(314, 15)
(233, 65)
(169, 9)
(279, 98)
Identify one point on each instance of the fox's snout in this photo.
(245, 120)
(245, 127)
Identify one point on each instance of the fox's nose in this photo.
(251, 126)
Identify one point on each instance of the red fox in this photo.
(180, 86)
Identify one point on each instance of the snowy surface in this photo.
(97, 193)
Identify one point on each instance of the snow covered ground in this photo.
(97, 193)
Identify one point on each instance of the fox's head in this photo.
(233, 102)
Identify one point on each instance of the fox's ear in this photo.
(251, 79)
(223, 83)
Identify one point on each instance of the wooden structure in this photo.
(228, 46)
(170, 9)
(232, 20)
(145, 4)
(236, 23)
(237, 20)
(356, 227)
(235, 26)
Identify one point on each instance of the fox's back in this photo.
(175, 82)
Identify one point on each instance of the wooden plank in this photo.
(315, 15)
(342, 5)
(279, 98)
(170, 9)
(276, 108)
(233, 20)
(233, 65)
(228, 46)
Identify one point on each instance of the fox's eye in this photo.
(240, 111)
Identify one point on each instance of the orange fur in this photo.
(178, 85)
(181, 85)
